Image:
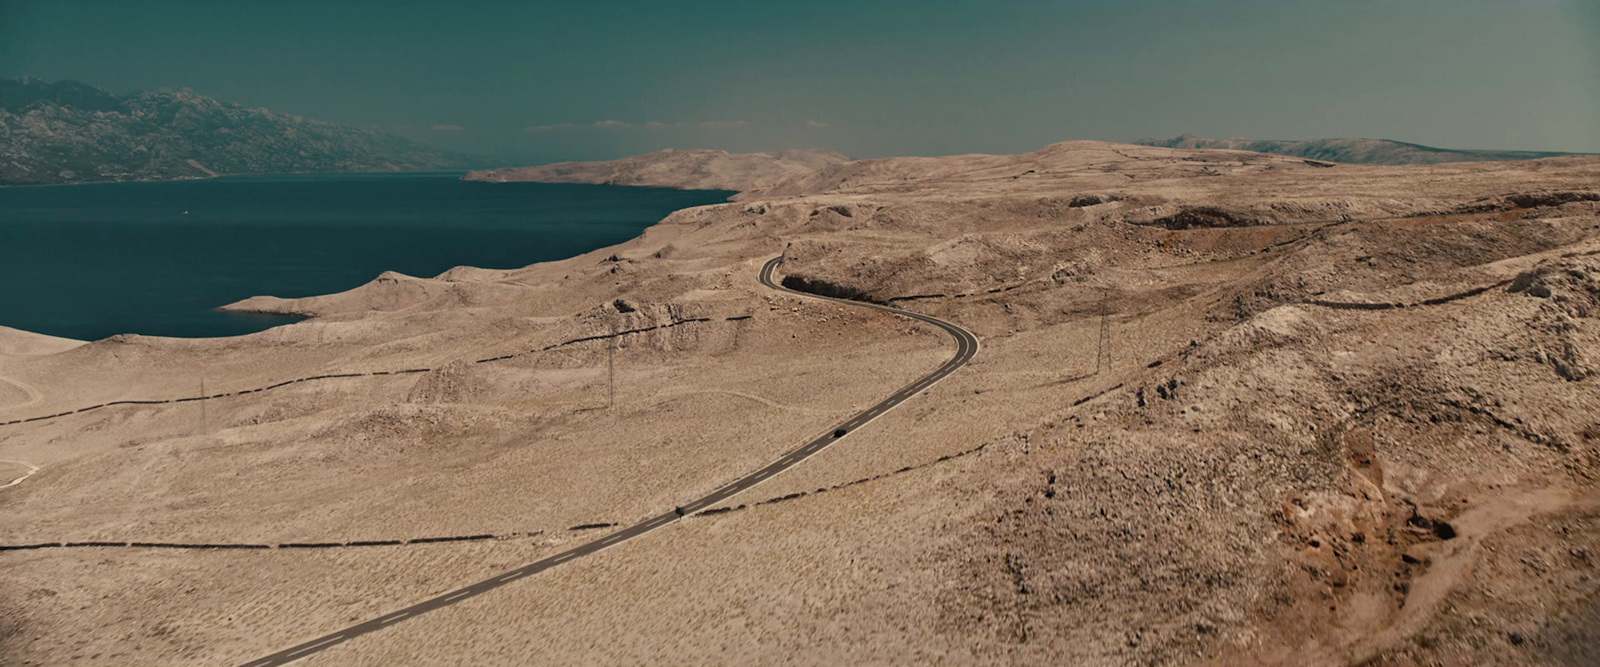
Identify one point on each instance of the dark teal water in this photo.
(91, 261)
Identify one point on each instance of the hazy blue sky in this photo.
(541, 81)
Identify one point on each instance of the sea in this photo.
(157, 258)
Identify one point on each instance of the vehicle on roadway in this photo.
(839, 432)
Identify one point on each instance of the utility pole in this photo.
(205, 428)
(611, 369)
(1103, 359)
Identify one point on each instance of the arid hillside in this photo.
(1229, 408)
(688, 169)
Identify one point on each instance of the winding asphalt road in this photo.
(966, 348)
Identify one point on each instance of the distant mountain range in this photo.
(71, 132)
(1355, 151)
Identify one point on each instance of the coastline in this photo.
(454, 223)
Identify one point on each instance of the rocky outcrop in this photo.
(1199, 217)
(1538, 199)
(455, 382)
(824, 287)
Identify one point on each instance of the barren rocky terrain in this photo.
(1351, 417)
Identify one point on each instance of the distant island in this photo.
(692, 169)
(793, 171)
(72, 132)
(1352, 151)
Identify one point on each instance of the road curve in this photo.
(966, 348)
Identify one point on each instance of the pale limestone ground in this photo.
(1271, 483)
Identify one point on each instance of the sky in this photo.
(531, 82)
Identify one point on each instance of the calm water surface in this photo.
(90, 261)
